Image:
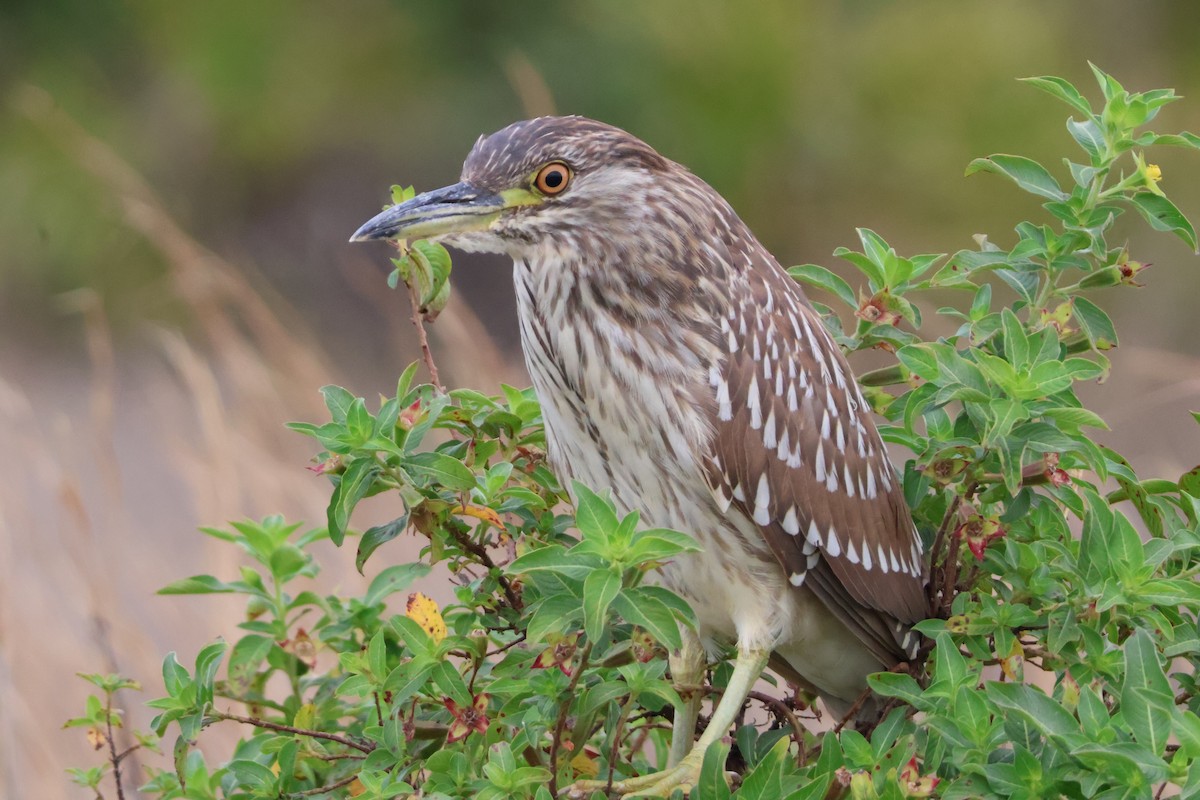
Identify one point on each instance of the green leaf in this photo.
(950, 668)
(1095, 324)
(659, 544)
(197, 584)
(353, 486)
(252, 776)
(376, 536)
(647, 611)
(1026, 173)
(982, 302)
(1162, 215)
(451, 683)
(711, 785)
(396, 578)
(920, 360)
(338, 401)
(1184, 139)
(442, 470)
(594, 515)
(553, 615)
(248, 653)
(554, 558)
(207, 662)
(599, 589)
(1063, 90)
(1035, 706)
(1088, 135)
(1108, 84)
(1074, 417)
(822, 278)
(1148, 714)
(902, 687)
(1016, 341)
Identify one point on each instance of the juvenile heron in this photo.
(679, 366)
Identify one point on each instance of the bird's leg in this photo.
(687, 673)
(746, 671)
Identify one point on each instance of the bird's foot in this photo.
(657, 784)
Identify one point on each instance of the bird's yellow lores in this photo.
(681, 368)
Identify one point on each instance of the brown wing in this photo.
(796, 450)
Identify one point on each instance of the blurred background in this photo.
(178, 181)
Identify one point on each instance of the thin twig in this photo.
(854, 709)
(112, 748)
(480, 552)
(560, 724)
(362, 747)
(781, 711)
(623, 718)
(324, 789)
(419, 321)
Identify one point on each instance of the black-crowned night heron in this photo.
(679, 366)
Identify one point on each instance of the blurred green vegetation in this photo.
(270, 129)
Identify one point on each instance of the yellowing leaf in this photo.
(356, 788)
(585, 765)
(306, 716)
(425, 612)
(480, 512)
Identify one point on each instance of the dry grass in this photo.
(114, 459)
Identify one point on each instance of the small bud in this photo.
(862, 786)
(913, 784)
(410, 416)
(330, 466)
(1070, 692)
(1129, 270)
(880, 309)
(303, 647)
(1057, 318)
(560, 653)
(979, 532)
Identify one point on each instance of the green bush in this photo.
(550, 666)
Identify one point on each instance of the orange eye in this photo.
(553, 178)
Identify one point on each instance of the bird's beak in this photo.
(455, 209)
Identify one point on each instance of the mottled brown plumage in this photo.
(680, 367)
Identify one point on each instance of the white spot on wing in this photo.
(832, 545)
(782, 451)
(769, 430)
(754, 403)
(797, 578)
(762, 500)
(790, 523)
(866, 557)
(883, 562)
(831, 480)
(851, 551)
(813, 535)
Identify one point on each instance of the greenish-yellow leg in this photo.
(687, 673)
(747, 669)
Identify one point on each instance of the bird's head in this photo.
(558, 182)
